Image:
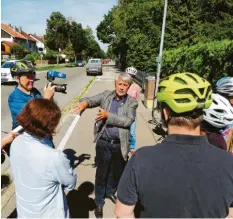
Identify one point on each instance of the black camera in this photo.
(51, 75)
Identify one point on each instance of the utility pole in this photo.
(159, 58)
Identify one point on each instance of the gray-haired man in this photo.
(117, 112)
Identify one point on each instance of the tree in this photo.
(32, 57)
(18, 50)
(77, 38)
(134, 27)
(69, 51)
(50, 54)
(57, 31)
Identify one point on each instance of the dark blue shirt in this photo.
(112, 132)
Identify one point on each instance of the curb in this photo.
(10, 190)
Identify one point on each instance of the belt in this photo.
(112, 141)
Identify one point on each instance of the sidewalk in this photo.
(81, 200)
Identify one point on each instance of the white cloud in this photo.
(31, 15)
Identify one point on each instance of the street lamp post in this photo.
(159, 57)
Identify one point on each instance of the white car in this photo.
(6, 73)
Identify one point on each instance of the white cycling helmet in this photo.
(224, 86)
(131, 70)
(220, 113)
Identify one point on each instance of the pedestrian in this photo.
(40, 173)
(134, 91)
(112, 129)
(183, 176)
(224, 87)
(25, 91)
(216, 118)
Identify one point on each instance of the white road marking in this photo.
(63, 142)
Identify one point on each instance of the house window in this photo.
(30, 45)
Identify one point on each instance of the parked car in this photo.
(141, 77)
(6, 73)
(79, 63)
(94, 66)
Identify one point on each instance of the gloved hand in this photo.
(79, 107)
(103, 114)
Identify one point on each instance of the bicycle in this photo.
(156, 120)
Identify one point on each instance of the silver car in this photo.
(94, 67)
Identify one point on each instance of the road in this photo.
(76, 80)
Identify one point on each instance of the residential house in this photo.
(39, 43)
(31, 42)
(11, 35)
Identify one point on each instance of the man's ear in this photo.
(165, 113)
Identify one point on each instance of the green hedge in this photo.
(211, 60)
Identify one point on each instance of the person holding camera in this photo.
(25, 91)
(40, 173)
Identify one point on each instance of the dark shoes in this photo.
(99, 211)
(113, 198)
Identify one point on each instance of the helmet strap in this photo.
(24, 88)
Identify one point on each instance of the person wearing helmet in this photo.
(25, 91)
(183, 176)
(134, 91)
(224, 87)
(217, 117)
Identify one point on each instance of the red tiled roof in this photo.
(28, 36)
(12, 32)
(10, 44)
(37, 37)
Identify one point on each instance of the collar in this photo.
(21, 92)
(187, 139)
(123, 99)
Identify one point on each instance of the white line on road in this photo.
(63, 142)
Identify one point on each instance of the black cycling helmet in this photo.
(20, 68)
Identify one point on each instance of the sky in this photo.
(31, 15)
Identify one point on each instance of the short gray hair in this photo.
(125, 77)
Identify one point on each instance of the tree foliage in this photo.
(69, 51)
(71, 38)
(134, 28)
(32, 57)
(18, 50)
(210, 60)
(57, 31)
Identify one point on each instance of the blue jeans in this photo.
(109, 167)
(133, 135)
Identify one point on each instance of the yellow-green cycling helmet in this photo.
(185, 92)
(20, 68)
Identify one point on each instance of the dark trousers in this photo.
(109, 167)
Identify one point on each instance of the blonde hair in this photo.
(230, 141)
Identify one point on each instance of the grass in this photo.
(50, 67)
(68, 107)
